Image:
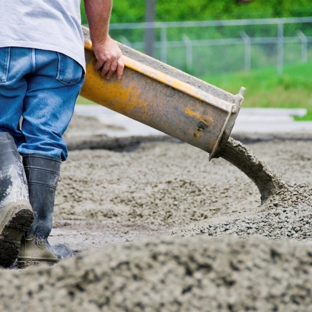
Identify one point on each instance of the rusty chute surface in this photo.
(165, 98)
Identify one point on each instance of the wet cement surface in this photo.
(162, 229)
(242, 158)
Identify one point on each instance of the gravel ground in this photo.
(162, 229)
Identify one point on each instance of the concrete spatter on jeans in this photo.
(42, 86)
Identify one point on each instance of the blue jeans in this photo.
(42, 87)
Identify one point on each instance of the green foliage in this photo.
(198, 10)
(123, 12)
(266, 89)
(306, 117)
(176, 10)
(133, 11)
(128, 11)
(83, 14)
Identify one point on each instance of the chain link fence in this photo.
(215, 47)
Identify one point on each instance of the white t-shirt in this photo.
(43, 24)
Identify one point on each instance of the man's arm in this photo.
(106, 50)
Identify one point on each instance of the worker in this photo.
(42, 69)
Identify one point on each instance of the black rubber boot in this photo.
(16, 214)
(42, 174)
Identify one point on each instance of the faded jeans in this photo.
(42, 87)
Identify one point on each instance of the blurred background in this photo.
(265, 46)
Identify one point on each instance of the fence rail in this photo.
(210, 47)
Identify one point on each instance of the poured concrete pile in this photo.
(190, 274)
(286, 214)
(228, 252)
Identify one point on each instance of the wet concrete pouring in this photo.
(160, 228)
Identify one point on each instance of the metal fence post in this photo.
(163, 52)
(150, 28)
(247, 43)
(125, 41)
(251, 44)
(189, 52)
(304, 46)
(280, 47)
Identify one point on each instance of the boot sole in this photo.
(24, 264)
(16, 219)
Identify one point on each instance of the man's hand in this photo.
(109, 58)
(106, 50)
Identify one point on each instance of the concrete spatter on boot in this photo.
(42, 173)
(15, 220)
(38, 251)
(14, 189)
(34, 251)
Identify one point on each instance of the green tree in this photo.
(133, 11)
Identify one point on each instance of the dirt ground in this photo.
(157, 227)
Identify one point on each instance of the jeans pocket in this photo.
(5, 54)
(69, 71)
